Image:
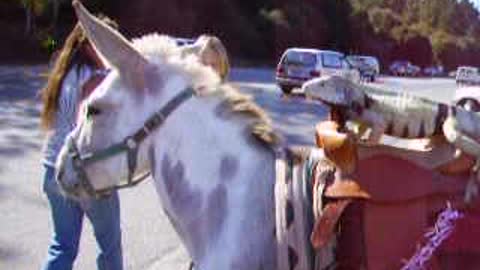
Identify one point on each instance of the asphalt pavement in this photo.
(148, 239)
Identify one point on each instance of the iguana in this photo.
(397, 114)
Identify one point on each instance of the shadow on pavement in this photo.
(292, 116)
(20, 109)
(21, 82)
(2, 192)
(8, 253)
(257, 75)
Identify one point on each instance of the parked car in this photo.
(398, 68)
(434, 71)
(467, 75)
(404, 68)
(468, 97)
(368, 66)
(298, 65)
(413, 70)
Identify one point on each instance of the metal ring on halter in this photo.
(131, 143)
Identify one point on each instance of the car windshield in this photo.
(300, 58)
(355, 61)
(400, 63)
(332, 60)
(371, 61)
(467, 71)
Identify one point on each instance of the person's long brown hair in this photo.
(51, 92)
(71, 53)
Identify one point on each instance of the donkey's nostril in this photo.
(76, 186)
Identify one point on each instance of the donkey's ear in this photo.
(114, 48)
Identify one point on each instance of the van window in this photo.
(466, 71)
(300, 58)
(346, 64)
(331, 60)
(371, 61)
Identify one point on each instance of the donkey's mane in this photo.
(242, 104)
(158, 47)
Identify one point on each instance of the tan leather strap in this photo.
(324, 228)
(338, 147)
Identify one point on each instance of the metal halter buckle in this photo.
(131, 143)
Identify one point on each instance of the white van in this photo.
(368, 66)
(467, 75)
(298, 65)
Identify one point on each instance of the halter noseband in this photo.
(129, 145)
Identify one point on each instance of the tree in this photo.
(55, 10)
(32, 9)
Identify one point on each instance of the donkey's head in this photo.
(143, 77)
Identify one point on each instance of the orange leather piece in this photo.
(462, 164)
(345, 189)
(324, 227)
(327, 136)
(338, 147)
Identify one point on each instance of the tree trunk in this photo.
(56, 9)
(29, 19)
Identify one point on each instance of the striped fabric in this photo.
(66, 115)
(294, 211)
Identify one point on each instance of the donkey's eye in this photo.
(92, 111)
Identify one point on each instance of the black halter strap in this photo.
(128, 145)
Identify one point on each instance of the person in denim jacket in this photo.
(72, 78)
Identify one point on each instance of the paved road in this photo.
(149, 241)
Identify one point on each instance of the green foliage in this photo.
(263, 29)
(364, 6)
(38, 7)
(440, 40)
(446, 23)
(49, 44)
(383, 20)
(275, 17)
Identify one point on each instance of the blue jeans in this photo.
(67, 217)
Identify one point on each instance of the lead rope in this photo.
(442, 229)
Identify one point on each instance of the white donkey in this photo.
(209, 148)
